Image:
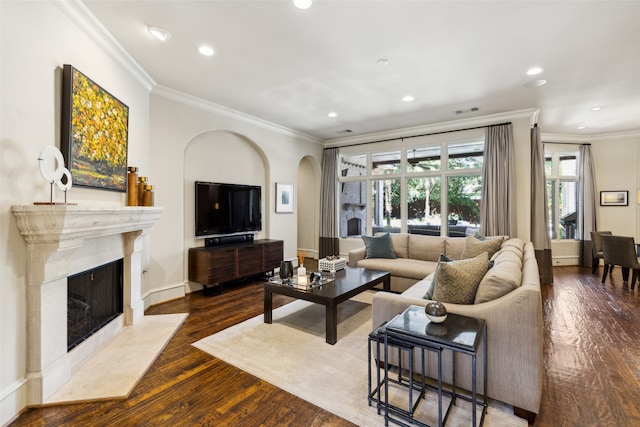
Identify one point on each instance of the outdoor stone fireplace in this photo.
(63, 240)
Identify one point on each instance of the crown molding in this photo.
(584, 139)
(82, 17)
(201, 104)
(530, 113)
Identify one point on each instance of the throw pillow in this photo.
(457, 281)
(474, 247)
(429, 293)
(378, 246)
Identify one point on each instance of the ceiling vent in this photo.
(467, 111)
(344, 131)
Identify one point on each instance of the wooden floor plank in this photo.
(591, 356)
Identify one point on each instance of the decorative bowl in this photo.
(436, 312)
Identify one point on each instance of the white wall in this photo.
(37, 39)
(617, 168)
(240, 150)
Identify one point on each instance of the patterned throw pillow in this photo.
(474, 246)
(457, 281)
(378, 246)
(429, 293)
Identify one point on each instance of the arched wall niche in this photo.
(228, 157)
(308, 205)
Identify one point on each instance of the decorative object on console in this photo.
(436, 311)
(56, 176)
(614, 198)
(284, 197)
(132, 186)
(332, 263)
(96, 151)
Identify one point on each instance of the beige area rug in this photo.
(113, 370)
(292, 354)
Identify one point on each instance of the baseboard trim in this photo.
(164, 294)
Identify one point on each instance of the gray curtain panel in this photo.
(588, 204)
(497, 210)
(539, 213)
(329, 244)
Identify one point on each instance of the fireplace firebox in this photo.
(94, 298)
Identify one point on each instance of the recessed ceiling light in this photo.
(332, 114)
(159, 33)
(383, 62)
(596, 108)
(534, 71)
(535, 83)
(581, 127)
(206, 50)
(408, 98)
(302, 4)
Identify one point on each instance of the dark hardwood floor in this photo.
(591, 352)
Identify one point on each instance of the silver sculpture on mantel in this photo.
(59, 176)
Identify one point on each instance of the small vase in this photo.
(132, 186)
(286, 271)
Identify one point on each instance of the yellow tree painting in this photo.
(95, 133)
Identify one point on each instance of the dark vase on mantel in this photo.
(286, 270)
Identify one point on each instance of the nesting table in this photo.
(411, 333)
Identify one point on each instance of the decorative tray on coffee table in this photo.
(304, 285)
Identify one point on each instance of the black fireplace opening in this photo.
(94, 298)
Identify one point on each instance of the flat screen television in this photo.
(227, 209)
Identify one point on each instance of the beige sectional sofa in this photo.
(508, 299)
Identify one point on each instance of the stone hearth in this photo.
(63, 240)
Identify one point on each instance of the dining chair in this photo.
(596, 249)
(620, 250)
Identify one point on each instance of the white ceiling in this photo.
(292, 67)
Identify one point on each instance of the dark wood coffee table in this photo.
(348, 283)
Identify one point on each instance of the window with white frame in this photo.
(402, 190)
(561, 170)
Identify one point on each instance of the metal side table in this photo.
(459, 334)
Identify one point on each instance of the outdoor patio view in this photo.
(406, 192)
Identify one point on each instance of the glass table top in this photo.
(456, 331)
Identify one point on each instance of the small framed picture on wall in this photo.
(284, 198)
(614, 198)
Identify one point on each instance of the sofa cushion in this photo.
(426, 248)
(454, 246)
(474, 246)
(457, 281)
(378, 246)
(515, 243)
(401, 267)
(500, 280)
(399, 243)
(508, 255)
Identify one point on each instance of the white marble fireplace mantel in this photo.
(63, 240)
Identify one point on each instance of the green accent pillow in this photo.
(474, 246)
(378, 246)
(457, 281)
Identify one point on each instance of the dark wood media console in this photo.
(211, 266)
